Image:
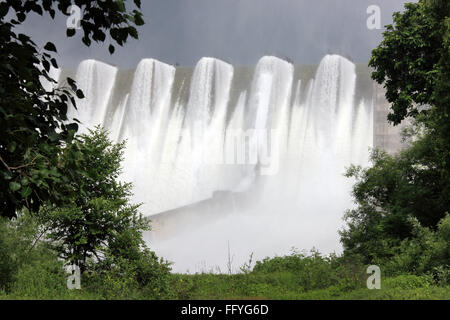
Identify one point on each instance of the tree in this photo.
(33, 122)
(96, 219)
(395, 189)
(412, 62)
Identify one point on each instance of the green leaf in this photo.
(86, 40)
(12, 146)
(133, 32)
(79, 94)
(70, 32)
(50, 47)
(3, 9)
(72, 83)
(14, 186)
(138, 19)
(24, 181)
(72, 126)
(21, 16)
(120, 5)
(54, 64)
(53, 136)
(7, 175)
(26, 191)
(46, 65)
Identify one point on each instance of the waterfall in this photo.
(96, 79)
(223, 154)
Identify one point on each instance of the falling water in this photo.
(191, 158)
(96, 79)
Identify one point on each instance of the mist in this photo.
(237, 31)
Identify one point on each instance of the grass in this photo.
(284, 286)
(276, 286)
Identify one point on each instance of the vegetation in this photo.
(401, 219)
(96, 219)
(59, 193)
(296, 276)
(33, 122)
(96, 229)
(413, 64)
(62, 202)
(306, 277)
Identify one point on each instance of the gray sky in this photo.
(237, 31)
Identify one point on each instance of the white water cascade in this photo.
(229, 157)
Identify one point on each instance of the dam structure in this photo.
(233, 160)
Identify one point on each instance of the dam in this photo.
(233, 160)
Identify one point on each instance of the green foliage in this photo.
(30, 122)
(97, 228)
(96, 219)
(147, 277)
(43, 277)
(371, 233)
(413, 63)
(33, 119)
(30, 269)
(391, 195)
(409, 282)
(315, 271)
(278, 278)
(21, 252)
(99, 17)
(72, 182)
(409, 60)
(117, 281)
(7, 263)
(426, 252)
(400, 222)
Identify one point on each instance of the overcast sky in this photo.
(237, 31)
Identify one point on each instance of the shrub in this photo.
(96, 215)
(28, 267)
(408, 282)
(426, 252)
(42, 278)
(8, 266)
(314, 271)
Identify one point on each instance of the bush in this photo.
(28, 268)
(314, 271)
(427, 252)
(8, 266)
(408, 282)
(119, 277)
(42, 278)
(96, 215)
(18, 241)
